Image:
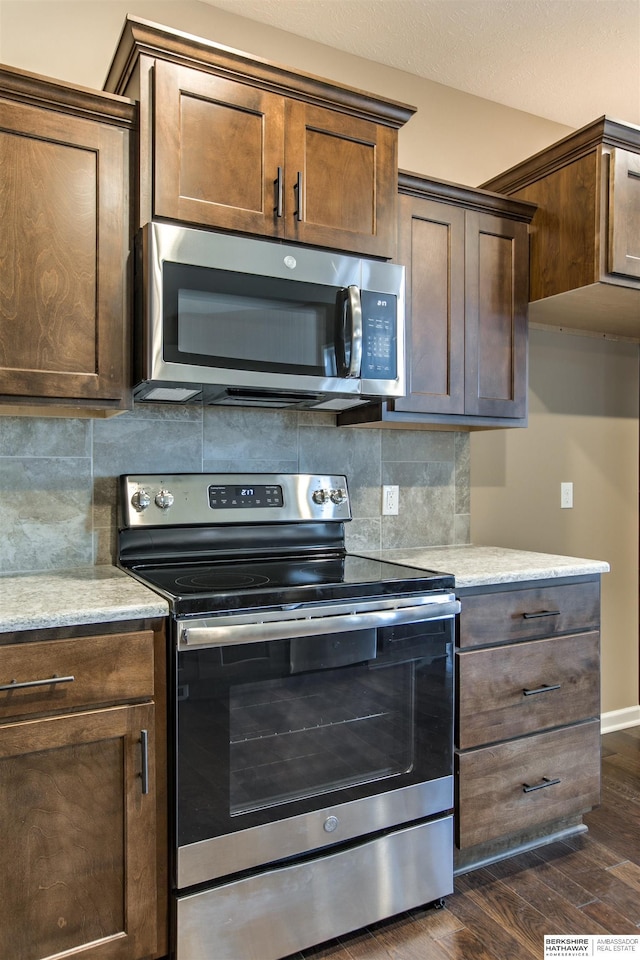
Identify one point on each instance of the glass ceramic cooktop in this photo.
(202, 586)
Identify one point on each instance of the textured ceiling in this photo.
(567, 60)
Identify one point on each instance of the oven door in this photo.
(288, 745)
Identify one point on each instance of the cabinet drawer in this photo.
(529, 613)
(79, 672)
(509, 691)
(495, 795)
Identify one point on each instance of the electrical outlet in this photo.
(566, 496)
(390, 500)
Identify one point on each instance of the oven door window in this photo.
(267, 731)
(222, 319)
(311, 735)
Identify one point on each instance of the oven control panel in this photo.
(152, 500)
(238, 496)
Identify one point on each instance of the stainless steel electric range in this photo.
(311, 713)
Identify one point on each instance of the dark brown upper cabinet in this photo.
(234, 143)
(466, 257)
(585, 240)
(64, 247)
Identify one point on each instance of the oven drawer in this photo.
(530, 613)
(512, 786)
(65, 674)
(288, 908)
(527, 687)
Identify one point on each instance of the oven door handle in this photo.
(286, 629)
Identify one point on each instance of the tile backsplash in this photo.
(58, 478)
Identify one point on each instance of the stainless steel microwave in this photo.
(234, 320)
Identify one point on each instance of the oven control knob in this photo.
(164, 499)
(140, 500)
(338, 496)
(330, 824)
(320, 496)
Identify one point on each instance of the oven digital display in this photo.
(231, 496)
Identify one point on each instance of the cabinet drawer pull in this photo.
(144, 773)
(541, 613)
(298, 189)
(545, 782)
(14, 685)
(279, 197)
(545, 688)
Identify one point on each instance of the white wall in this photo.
(583, 428)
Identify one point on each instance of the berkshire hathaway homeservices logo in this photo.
(591, 946)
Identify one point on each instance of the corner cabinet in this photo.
(466, 257)
(585, 242)
(239, 144)
(80, 793)
(528, 714)
(64, 248)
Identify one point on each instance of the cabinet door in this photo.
(217, 148)
(78, 852)
(496, 316)
(340, 181)
(624, 213)
(431, 246)
(63, 253)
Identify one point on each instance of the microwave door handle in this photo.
(349, 331)
(354, 314)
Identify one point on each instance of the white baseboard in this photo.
(619, 719)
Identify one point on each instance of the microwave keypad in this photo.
(379, 336)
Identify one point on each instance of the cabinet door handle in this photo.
(144, 756)
(545, 688)
(545, 782)
(278, 183)
(49, 681)
(541, 613)
(298, 189)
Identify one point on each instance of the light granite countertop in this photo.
(81, 595)
(104, 593)
(474, 566)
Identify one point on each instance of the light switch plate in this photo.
(566, 495)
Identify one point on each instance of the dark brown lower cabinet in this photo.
(80, 870)
(81, 864)
(511, 786)
(527, 715)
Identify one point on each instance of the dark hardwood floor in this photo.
(589, 884)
